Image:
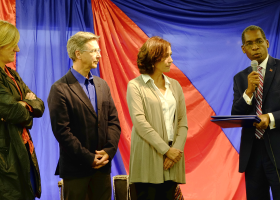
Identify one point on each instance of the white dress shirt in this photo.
(249, 100)
(168, 103)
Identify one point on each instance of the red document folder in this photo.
(231, 121)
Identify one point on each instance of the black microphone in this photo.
(254, 65)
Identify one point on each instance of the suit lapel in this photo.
(98, 93)
(75, 86)
(269, 75)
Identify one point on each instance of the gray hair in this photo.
(77, 42)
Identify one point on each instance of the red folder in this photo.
(231, 121)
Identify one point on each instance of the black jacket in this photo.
(14, 157)
(77, 127)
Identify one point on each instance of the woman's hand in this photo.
(174, 154)
(168, 163)
(30, 96)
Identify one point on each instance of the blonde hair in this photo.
(9, 35)
(77, 42)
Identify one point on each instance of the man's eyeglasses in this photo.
(250, 43)
(93, 50)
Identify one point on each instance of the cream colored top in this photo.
(168, 104)
(149, 140)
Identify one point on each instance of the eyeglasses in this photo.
(250, 43)
(93, 50)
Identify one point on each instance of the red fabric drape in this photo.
(211, 161)
(8, 13)
(119, 43)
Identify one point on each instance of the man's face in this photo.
(7, 54)
(255, 46)
(91, 54)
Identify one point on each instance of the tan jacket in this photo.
(149, 141)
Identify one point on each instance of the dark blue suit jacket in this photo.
(270, 104)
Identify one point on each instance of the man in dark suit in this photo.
(259, 93)
(85, 123)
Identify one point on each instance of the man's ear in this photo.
(243, 48)
(267, 43)
(78, 54)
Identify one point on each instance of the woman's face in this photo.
(165, 63)
(7, 54)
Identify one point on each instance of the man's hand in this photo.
(265, 120)
(96, 159)
(30, 96)
(253, 82)
(174, 154)
(168, 163)
(102, 159)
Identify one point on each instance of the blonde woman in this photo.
(158, 112)
(19, 171)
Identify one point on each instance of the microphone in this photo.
(254, 65)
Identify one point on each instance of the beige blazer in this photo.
(149, 141)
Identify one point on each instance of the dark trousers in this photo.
(261, 174)
(149, 191)
(95, 187)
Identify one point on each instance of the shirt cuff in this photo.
(272, 121)
(247, 98)
(166, 151)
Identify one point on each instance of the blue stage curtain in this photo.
(45, 26)
(205, 37)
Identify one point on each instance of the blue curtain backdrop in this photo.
(206, 40)
(205, 37)
(45, 26)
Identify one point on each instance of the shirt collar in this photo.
(264, 63)
(80, 78)
(147, 77)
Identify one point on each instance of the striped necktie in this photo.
(259, 95)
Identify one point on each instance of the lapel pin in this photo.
(271, 70)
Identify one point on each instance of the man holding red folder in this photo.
(258, 93)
